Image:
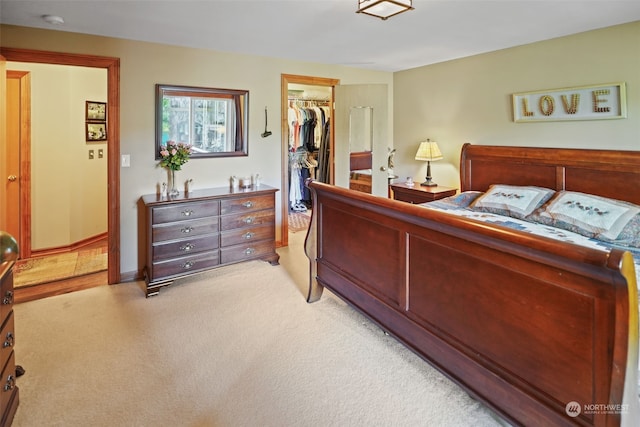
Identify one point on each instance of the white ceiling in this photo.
(329, 31)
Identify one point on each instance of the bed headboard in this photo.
(608, 173)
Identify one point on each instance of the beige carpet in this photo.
(60, 266)
(237, 346)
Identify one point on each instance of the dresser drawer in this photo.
(185, 265)
(246, 204)
(246, 252)
(177, 248)
(8, 381)
(6, 295)
(184, 211)
(247, 235)
(7, 338)
(185, 229)
(229, 222)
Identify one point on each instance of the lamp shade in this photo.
(383, 9)
(428, 151)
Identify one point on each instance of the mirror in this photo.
(360, 146)
(213, 121)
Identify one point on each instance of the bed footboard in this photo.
(529, 326)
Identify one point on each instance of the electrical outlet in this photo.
(100, 153)
(91, 154)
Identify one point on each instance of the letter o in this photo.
(546, 105)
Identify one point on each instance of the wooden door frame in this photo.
(112, 65)
(24, 168)
(286, 79)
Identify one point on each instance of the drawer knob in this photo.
(188, 212)
(8, 298)
(249, 220)
(187, 230)
(187, 247)
(249, 251)
(8, 342)
(11, 383)
(187, 265)
(248, 235)
(248, 204)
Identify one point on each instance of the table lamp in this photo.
(428, 151)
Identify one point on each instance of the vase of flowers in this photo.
(174, 155)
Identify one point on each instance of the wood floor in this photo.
(50, 288)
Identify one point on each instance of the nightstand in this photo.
(419, 194)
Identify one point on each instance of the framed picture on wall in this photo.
(96, 111)
(594, 102)
(96, 132)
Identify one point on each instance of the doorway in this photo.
(63, 239)
(292, 85)
(112, 65)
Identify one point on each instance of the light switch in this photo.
(125, 160)
(100, 153)
(91, 154)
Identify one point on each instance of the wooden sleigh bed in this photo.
(530, 326)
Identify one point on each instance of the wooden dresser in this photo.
(205, 229)
(9, 391)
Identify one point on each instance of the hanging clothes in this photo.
(324, 169)
(306, 119)
(298, 193)
(293, 119)
(309, 128)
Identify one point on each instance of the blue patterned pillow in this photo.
(597, 217)
(463, 199)
(513, 201)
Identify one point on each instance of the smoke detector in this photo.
(53, 19)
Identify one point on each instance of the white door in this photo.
(355, 98)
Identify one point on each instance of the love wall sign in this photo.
(598, 102)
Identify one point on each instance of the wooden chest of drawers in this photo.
(8, 389)
(206, 229)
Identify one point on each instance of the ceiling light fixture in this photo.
(53, 19)
(383, 9)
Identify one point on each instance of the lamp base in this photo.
(427, 179)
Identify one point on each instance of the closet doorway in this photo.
(306, 149)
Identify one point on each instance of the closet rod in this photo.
(297, 98)
(310, 100)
